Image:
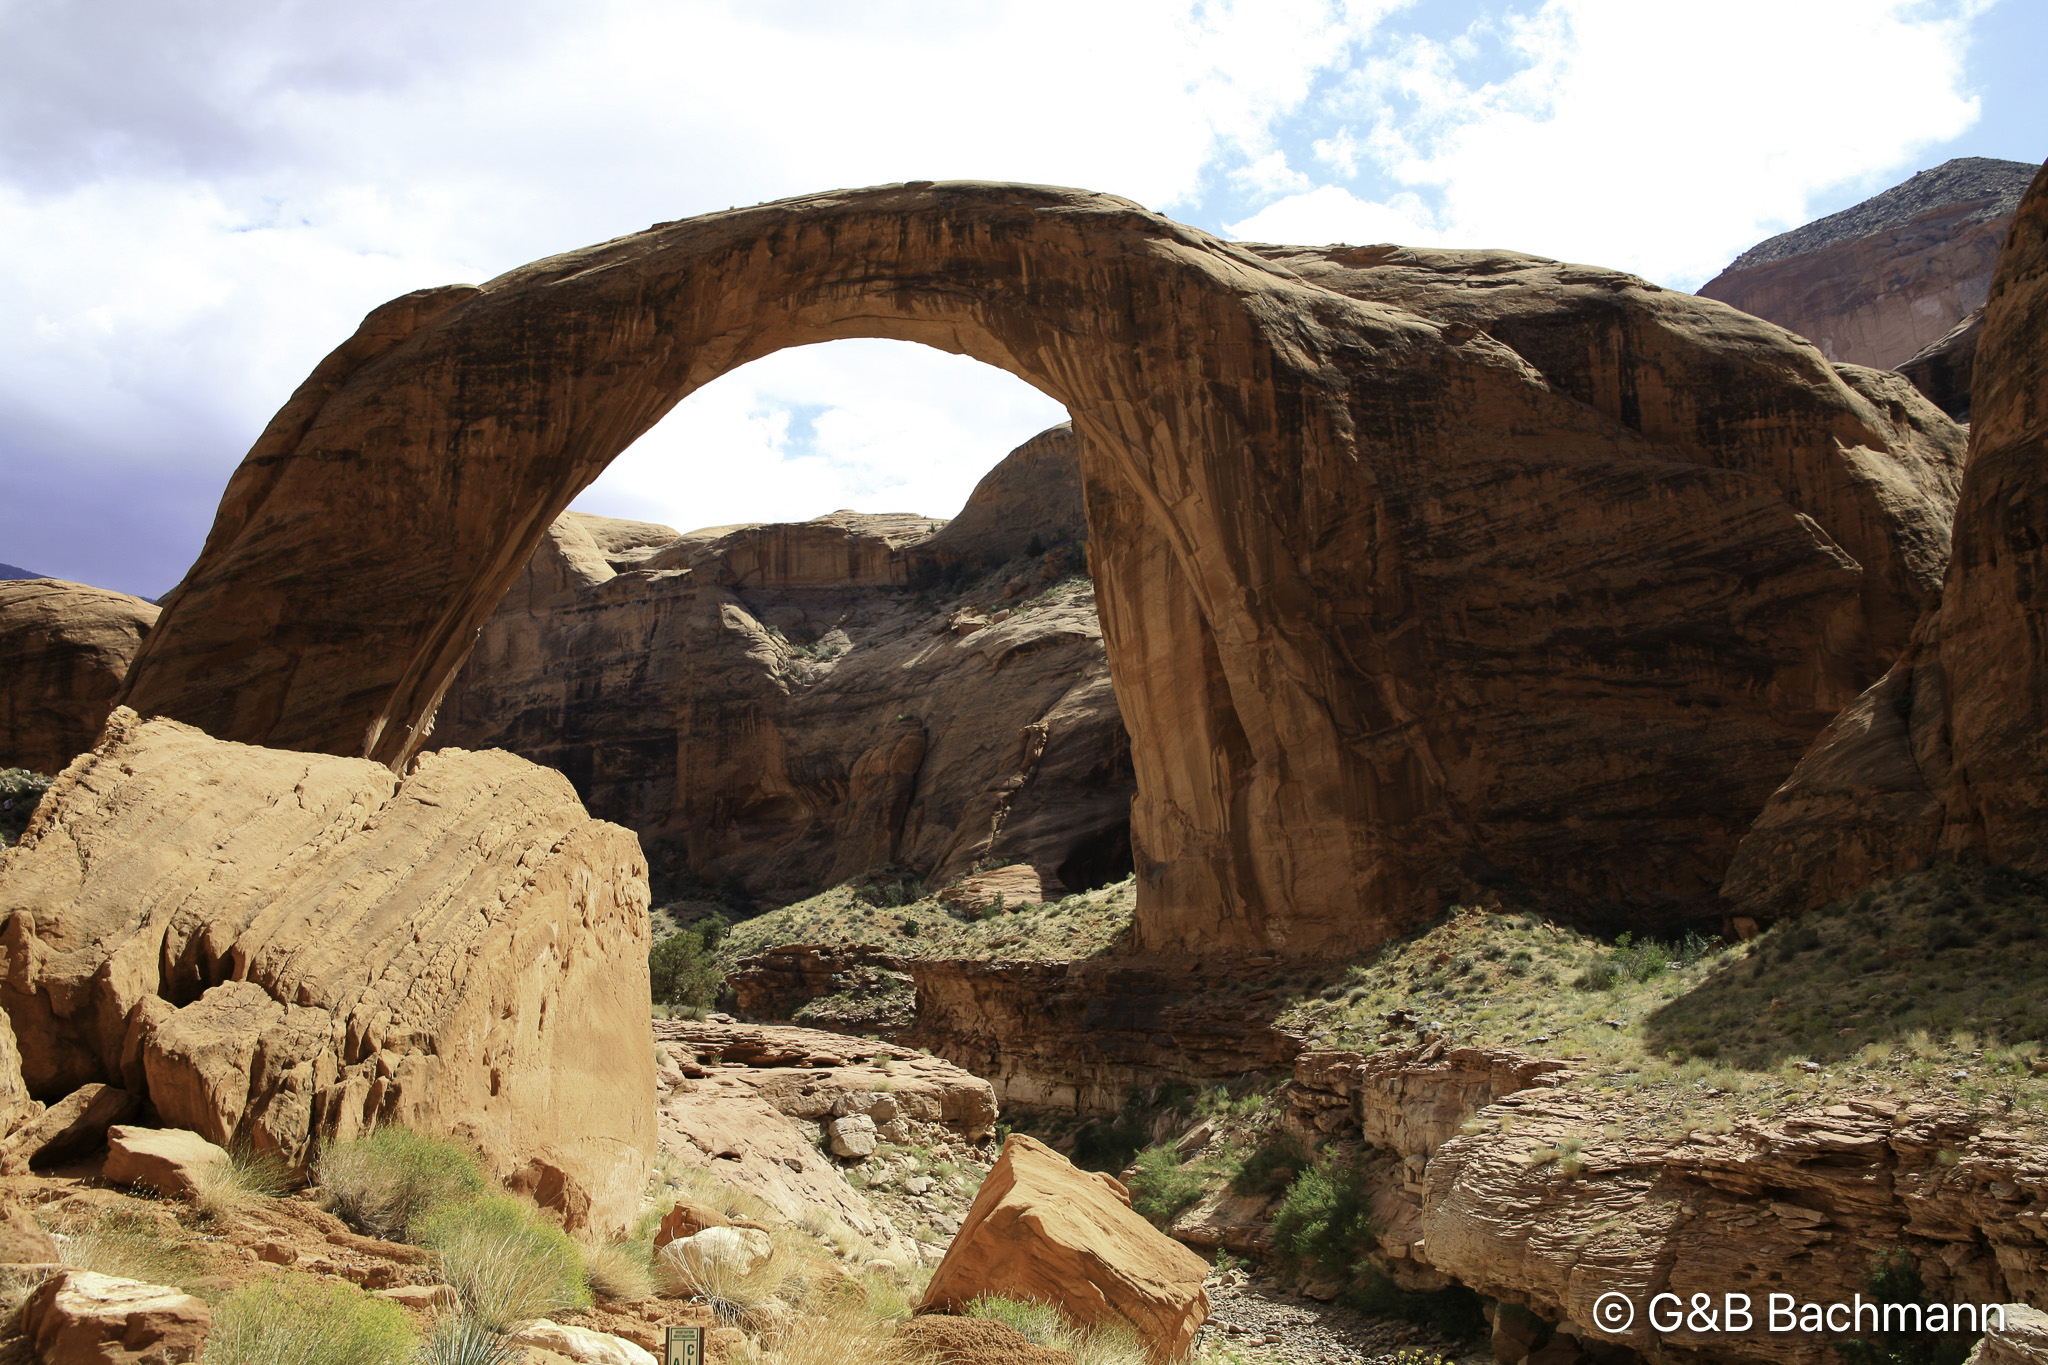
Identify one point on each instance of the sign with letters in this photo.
(685, 1346)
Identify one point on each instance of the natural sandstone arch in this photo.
(1395, 614)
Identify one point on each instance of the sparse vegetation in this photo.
(385, 1183)
(1043, 1324)
(1894, 1278)
(506, 1261)
(1086, 924)
(247, 1178)
(20, 792)
(132, 1244)
(292, 1319)
(1161, 1188)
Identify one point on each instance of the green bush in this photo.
(1161, 1188)
(1324, 1218)
(20, 792)
(681, 973)
(1895, 1278)
(507, 1262)
(384, 1184)
(1280, 1151)
(294, 1318)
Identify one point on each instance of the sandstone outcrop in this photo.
(91, 1319)
(2022, 1341)
(772, 705)
(67, 648)
(1422, 575)
(271, 946)
(1877, 282)
(779, 982)
(1946, 754)
(1042, 1231)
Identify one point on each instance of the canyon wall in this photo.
(777, 707)
(1399, 611)
(1878, 282)
(1945, 756)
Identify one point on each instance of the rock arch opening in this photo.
(1413, 591)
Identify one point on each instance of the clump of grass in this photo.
(839, 1334)
(289, 1319)
(505, 1260)
(458, 1339)
(131, 1245)
(386, 1183)
(739, 1288)
(245, 1179)
(1043, 1324)
(1161, 1188)
(618, 1270)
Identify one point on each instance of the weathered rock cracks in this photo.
(270, 946)
(1420, 573)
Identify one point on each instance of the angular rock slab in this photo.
(273, 946)
(81, 1318)
(171, 1161)
(1044, 1231)
(1948, 753)
(1422, 576)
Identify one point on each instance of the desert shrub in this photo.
(890, 892)
(506, 1261)
(458, 1339)
(20, 792)
(1113, 1143)
(387, 1182)
(1325, 1217)
(681, 972)
(739, 1289)
(290, 1319)
(1161, 1188)
(1895, 1278)
(1280, 1152)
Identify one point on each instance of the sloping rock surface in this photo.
(1948, 753)
(273, 946)
(1400, 609)
(1040, 1230)
(1877, 282)
(67, 649)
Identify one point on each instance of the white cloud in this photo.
(1658, 138)
(1332, 213)
(895, 427)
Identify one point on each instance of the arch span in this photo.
(1423, 575)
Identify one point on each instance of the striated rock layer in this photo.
(1948, 753)
(273, 946)
(1877, 282)
(1399, 608)
(67, 649)
(775, 706)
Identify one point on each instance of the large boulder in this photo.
(1948, 753)
(273, 947)
(171, 1161)
(67, 648)
(74, 1126)
(80, 1318)
(1424, 577)
(1044, 1231)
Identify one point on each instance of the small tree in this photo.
(1895, 1278)
(681, 973)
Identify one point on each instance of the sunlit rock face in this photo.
(1422, 576)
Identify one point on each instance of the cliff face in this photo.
(67, 648)
(1945, 754)
(776, 706)
(1401, 610)
(1878, 282)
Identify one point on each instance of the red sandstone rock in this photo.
(67, 648)
(1040, 1230)
(79, 1318)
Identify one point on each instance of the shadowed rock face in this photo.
(1948, 753)
(773, 706)
(1398, 610)
(67, 649)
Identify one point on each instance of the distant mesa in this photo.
(1891, 282)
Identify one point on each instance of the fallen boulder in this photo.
(72, 1127)
(80, 1318)
(687, 1219)
(67, 648)
(171, 1161)
(1043, 1231)
(275, 946)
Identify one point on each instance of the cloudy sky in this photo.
(202, 197)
